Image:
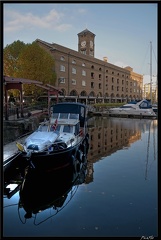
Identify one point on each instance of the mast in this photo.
(151, 71)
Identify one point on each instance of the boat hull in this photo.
(59, 159)
(140, 114)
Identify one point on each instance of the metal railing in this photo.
(14, 112)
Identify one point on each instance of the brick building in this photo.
(82, 77)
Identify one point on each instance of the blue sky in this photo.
(123, 30)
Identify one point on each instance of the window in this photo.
(83, 83)
(83, 73)
(62, 58)
(83, 52)
(61, 80)
(74, 62)
(68, 129)
(92, 84)
(91, 53)
(83, 65)
(62, 68)
(99, 76)
(99, 85)
(73, 81)
(92, 75)
(73, 70)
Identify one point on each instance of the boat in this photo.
(141, 108)
(52, 190)
(60, 140)
(155, 107)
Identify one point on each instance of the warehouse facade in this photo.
(82, 77)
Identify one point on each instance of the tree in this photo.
(29, 61)
(10, 57)
(35, 63)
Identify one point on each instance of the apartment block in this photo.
(82, 77)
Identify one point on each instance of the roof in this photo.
(86, 31)
(7, 79)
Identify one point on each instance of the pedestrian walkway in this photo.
(33, 113)
(10, 149)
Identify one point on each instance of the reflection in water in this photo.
(119, 186)
(108, 135)
(52, 190)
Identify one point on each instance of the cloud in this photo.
(15, 21)
(82, 11)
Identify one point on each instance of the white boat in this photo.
(155, 108)
(60, 141)
(140, 108)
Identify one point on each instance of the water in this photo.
(119, 196)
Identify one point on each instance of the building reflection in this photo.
(108, 135)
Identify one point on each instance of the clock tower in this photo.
(86, 42)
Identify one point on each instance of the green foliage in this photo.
(29, 61)
(35, 63)
(10, 57)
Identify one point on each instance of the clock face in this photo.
(83, 43)
(91, 44)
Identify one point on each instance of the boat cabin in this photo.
(65, 123)
(71, 107)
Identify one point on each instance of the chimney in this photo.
(105, 59)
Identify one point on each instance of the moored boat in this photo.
(141, 108)
(59, 141)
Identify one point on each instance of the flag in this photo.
(55, 124)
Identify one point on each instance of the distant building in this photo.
(146, 91)
(82, 77)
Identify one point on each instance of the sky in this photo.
(123, 30)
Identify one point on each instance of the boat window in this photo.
(43, 128)
(144, 105)
(82, 111)
(55, 115)
(68, 129)
(74, 116)
(63, 115)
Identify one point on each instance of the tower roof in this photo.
(85, 31)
